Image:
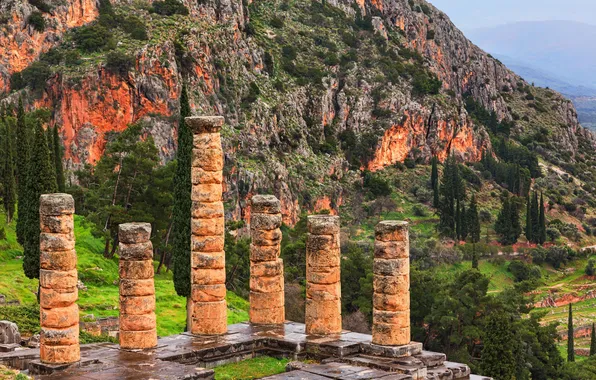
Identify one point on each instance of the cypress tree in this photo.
(498, 355)
(434, 180)
(41, 179)
(464, 222)
(529, 224)
(182, 204)
(9, 183)
(473, 226)
(593, 340)
(452, 189)
(570, 343)
(22, 164)
(58, 156)
(507, 225)
(542, 222)
(458, 219)
(535, 218)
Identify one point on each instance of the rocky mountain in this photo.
(312, 92)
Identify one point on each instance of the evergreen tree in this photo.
(473, 226)
(458, 220)
(593, 340)
(22, 164)
(41, 179)
(507, 225)
(452, 189)
(570, 343)
(464, 222)
(529, 225)
(535, 210)
(9, 195)
(58, 156)
(498, 355)
(182, 203)
(434, 181)
(541, 222)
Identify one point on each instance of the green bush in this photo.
(378, 186)
(591, 267)
(169, 8)
(37, 21)
(119, 63)
(41, 5)
(136, 28)
(425, 83)
(92, 38)
(35, 76)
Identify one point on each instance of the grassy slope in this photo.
(100, 275)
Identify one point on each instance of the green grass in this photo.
(251, 369)
(100, 275)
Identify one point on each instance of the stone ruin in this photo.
(388, 354)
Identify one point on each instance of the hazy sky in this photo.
(470, 14)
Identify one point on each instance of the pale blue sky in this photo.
(470, 14)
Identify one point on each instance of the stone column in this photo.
(137, 290)
(266, 268)
(59, 313)
(208, 277)
(391, 284)
(323, 286)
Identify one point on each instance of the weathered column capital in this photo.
(58, 293)
(205, 124)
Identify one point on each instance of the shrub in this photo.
(376, 185)
(41, 5)
(419, 210)
(136, 28)
(92, 38)
(169, 8)
(35, 76)
(591, 267)
(277, 22)
(410, 163)
(430, 34)
(425, 83)
(523, 272)
(119, 63)
(2, 234)
(37, 21)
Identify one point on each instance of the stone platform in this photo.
(347, 355)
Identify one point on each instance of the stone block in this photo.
(265, 204)
(392, 230)
(207, 141)
(208, 293)
(323, 275)
(322, 242)
(54, 279)
(323, 224)
(267, 268)
(136, 270)
(208, 210)
(59, 317)
(390, 302)
(56, 204)
(199, 175)
(139, 251)
(208, 276)
(323, 292)
(399, 284)
(204, 124)
(56, 242)
(134, 233)
(137, 340)
(9, 333)
(399, 319)
(266, 238)
(390, 335)
(51, 298)
(137, 305)
(142, 322)
(272, 316)
(392, 250)
(266, 300)
(208, 159)
(208, 260)
(264, 253)
(265, 221)
(64, 261)
(59, 337)
(209, 318)
(323, 258)
(57, 224)
(135, 287)
(207, 243)
(267, 284)
(323, 326)
(323, 309)
(206, 193)
(207, 227)
(60, 354)
(391, 267)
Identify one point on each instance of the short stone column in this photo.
(266, 268)
(391, 284)
(208, 262)
(323, 286)
(59, 313)
(137, 290)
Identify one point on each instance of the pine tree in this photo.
(22, 164)
(498, 355)
(41, 179)
(458, 219)
(542, 222)
(529, 231)
(570, 343)
(473, 225)
(535, 218)
(593, 340)
(182, 204)
(8, 176)
(434, 181)
(464, 222)
(452, 189)
(507, 225)
(58, 156)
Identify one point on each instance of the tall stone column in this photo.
(59, 313)
(266, 268)
(391, 284)
(137, 290)
(323, 286)
(208, 277)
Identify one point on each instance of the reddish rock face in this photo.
(208, 276)
(59, 313)
(266, 268)
(323, 287)
(137, 290)
(391, 284)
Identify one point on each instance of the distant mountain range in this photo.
(555, 54)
